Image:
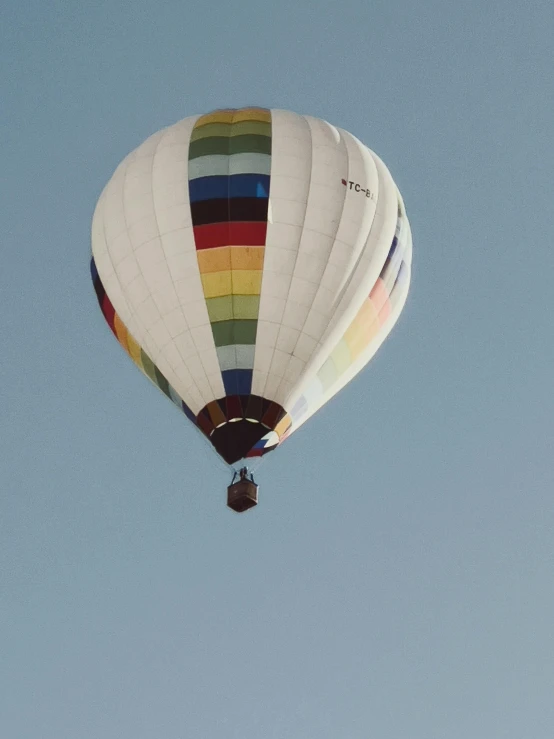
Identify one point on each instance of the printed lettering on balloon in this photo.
(358, 188)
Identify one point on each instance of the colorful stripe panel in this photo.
(229, 180)
(373, 314)
(138, 355)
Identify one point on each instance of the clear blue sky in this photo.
(397, 580)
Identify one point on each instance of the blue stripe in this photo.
(401, 279)
(300, 407)
(188, 413)
(237, 381)
(236, 186)
(249, 186)
(208, 188)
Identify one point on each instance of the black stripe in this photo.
(224, 210)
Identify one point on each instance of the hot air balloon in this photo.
(251, 262)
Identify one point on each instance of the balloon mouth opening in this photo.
(235, 439)
(241, 426)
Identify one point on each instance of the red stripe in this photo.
(109, 313)
(213, 235)
(205, 424)
(234, 408)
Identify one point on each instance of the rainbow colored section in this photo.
(229, 178)
(368, 322)
(138, 355)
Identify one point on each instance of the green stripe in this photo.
(227, 333)
(220, 309)
(148, 366)
(163, 384)
(231, 129)
(244, 128)
(246, 306)
(243, 307)
(327, 375)
(208, 147)
(252, 143)
(210, 129)
(341, 357)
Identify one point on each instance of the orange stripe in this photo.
(379, 295)
(121, 332)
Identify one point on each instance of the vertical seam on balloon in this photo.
(132, 313)
(339, 222)
(339, 301)
(147, 331)
(263, 253)
(334, 238)
(338, 383)
(338, 306)
(188, 328)
(275, 394)
(362, 252)
(382, 185)
(172, 340)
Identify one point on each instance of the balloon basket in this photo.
(242, 495)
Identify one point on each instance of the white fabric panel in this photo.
(335, 259)
(291, 166)
(143, 243)
(172, 211)
(359, 275)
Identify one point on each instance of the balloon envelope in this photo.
(251, 262)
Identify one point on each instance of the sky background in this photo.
(397, 579)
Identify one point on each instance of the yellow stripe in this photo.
(225, 258)
(120, 331)
(216, 284)
(234, 116)
(360, 327)
(218, 116)
(361, 341)
(247, 281)
(341, 357)
(283, 425)
(134, 351)
(241, 128)
(252, 114)
(236, 282)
